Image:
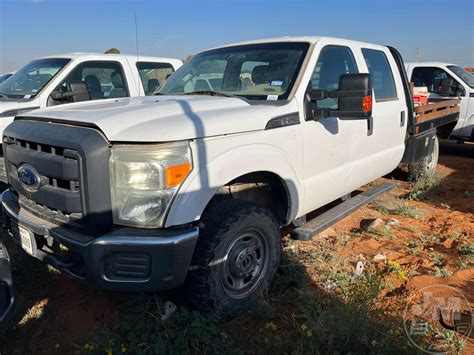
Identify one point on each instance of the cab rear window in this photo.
(153, 75)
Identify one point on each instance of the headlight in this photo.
(144, 180)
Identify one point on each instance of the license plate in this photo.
(26, 239)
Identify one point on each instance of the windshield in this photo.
(27, 82)
(4, 77)
(255, 71)
(465, 76)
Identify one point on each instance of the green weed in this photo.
(441, 272)
(423, 185)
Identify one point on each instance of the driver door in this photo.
(327, 141)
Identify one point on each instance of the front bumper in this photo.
(7, 295)
(124, 259)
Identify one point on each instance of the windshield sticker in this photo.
(276, 83)
(272, 97)
(34, 91)
(26, 96)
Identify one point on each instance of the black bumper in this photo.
(125, 259)
(7, 295)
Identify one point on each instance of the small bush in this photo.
(467, 249)
(424, 184)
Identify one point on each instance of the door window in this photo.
(430, 77)
(333, 62)
(104, 80)
(380, 74)
(153, 75)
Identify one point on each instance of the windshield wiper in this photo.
(207, 92)
(4, 96)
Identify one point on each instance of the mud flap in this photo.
(7, 295)
(419, 146)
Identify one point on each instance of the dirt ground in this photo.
(423, 238)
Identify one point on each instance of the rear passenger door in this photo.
(379, 143)
(153, 75)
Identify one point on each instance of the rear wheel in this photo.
(425, 166)
(236, 257)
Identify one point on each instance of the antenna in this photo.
(136, 41)
(418, 55)
(136, 32)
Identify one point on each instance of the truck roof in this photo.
(310, 39)
(130, 57)
(425, 64)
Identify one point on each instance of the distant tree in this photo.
(188, 58)
(112, 51)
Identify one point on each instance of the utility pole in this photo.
(418, 55)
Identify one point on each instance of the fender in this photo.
(207, 177)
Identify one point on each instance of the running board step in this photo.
(335, 214)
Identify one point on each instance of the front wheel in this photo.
(426, 166)
(236, 257)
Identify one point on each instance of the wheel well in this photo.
(265, 188)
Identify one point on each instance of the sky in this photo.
(442, 30)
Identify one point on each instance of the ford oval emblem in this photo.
(29, 177)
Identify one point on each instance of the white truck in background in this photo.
(45, 82)
(445, 80)
(192, 185)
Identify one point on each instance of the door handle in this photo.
(370, 126)
(402, 119)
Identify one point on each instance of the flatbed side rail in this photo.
(436, 110)
(434, 115)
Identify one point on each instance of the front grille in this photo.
(45, 151)
(72, 163)
(58, 168)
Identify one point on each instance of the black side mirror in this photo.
(77, 91)
(449, 87)
(355, 99)
(446, 88)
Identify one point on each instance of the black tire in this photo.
(425, 166)
(236, 257)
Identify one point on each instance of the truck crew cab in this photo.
(47, 81)
(193, 184)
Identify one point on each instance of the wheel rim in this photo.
(245, 264)
(430, 166)
(432, 161)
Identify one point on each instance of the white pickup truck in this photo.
(192, 185)
(106, 76)
(445, 80)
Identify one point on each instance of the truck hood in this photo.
(8, 105)
(167, 118)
